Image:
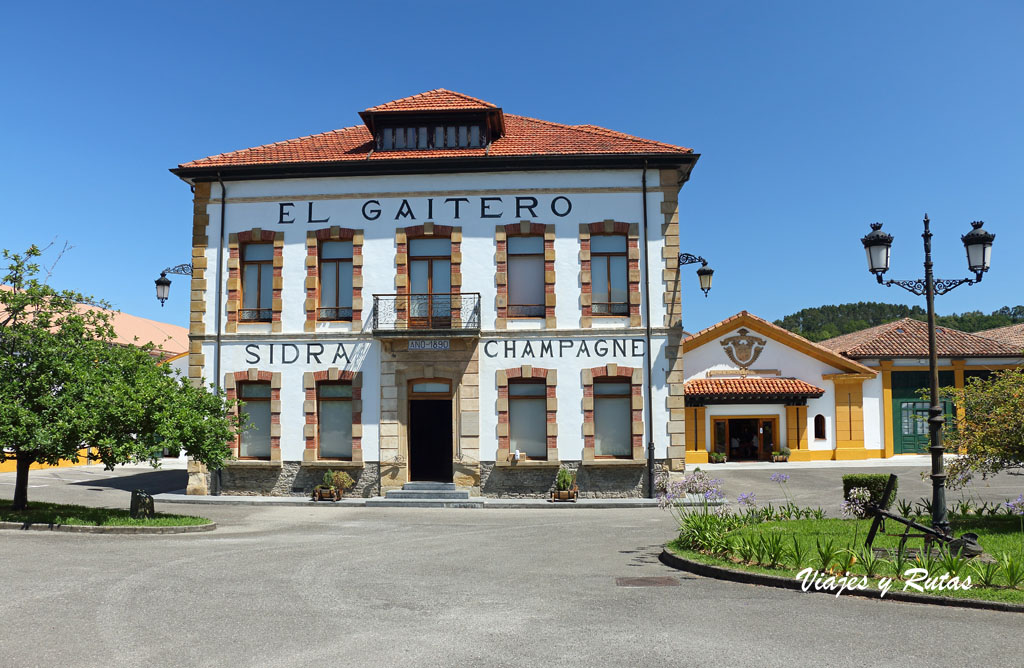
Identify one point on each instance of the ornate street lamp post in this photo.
(978, 244)
(163, 284)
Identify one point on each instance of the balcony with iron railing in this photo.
(433, 314)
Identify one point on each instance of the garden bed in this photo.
(997, 535)
(56, 514)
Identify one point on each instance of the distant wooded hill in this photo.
(824, 322)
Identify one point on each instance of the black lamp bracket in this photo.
(919, 287)
(180, 269)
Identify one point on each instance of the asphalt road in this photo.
(385, 587)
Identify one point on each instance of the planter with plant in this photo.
(333, 487)
(781, 455)
(717, 457)
(565, 486)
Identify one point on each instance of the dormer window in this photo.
(432, 137)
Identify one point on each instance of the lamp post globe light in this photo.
(163, 284)
(704, 273)
(978, 244)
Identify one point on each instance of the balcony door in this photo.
(430, 283)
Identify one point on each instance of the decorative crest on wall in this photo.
(743, 348)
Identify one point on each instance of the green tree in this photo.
(989, 430)
(827, 321)
(65, 386)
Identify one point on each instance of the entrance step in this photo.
(427, 495)
(423, 494)
(388, 502)
(445, 486)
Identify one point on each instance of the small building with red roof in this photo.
(752, 388)
(898, 351)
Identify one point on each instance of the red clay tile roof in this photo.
(523, 137)
(1011, 335)
(434, 100)
(909, 338)
(750, 388)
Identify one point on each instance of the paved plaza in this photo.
(296, 586)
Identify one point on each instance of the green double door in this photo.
(910, 410)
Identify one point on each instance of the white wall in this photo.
(257, 204)
(792, 364)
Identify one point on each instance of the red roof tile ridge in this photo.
(1010, 335)
(598, 130)
(862, 336)
(283, 142)
(887, 340)
(435, 91)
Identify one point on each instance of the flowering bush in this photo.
(1015, 507)
(698, 482)
(856, 503)
(746, 499)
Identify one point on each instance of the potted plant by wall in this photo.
(333, 487)
(565, 486)
(780, 455)
(717, 457)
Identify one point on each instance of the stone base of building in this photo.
(285, 479)
(594, 481)
(263, 478)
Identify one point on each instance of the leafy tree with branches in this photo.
(825, 322)
(989, 431)
(65, 386)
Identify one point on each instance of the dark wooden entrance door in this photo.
(430, 440)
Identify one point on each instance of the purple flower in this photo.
(779, 478)
(856, 503)
(1015, 507)
(746, 499)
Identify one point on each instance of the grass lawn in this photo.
(57, 513)
(997, 535)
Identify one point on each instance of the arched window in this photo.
(819, 426)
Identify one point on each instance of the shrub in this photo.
(873, 482)
(564, 479)
(338, 479)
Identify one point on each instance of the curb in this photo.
(746, 577)
(381, 502)
(122, 530)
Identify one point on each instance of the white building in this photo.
(446, 292)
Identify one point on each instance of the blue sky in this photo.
(813, 120)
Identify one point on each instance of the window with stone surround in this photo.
(411, 310)
(333, 409)
(261, 392)
(527, 415)
(612, 418)
(334, 277)
(255, 441)
(610, 271)
(254, 294)
(609, 288)
(613, 424)
(334, 420)
(335, 281)
(527, 418)
(257, 282)
(525, 278)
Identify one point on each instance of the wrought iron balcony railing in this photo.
(455, 314)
